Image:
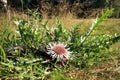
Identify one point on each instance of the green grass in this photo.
(95, 52)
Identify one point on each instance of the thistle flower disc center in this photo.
(59, 49)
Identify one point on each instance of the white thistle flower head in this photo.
(58, 51)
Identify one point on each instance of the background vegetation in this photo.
(78, 8)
